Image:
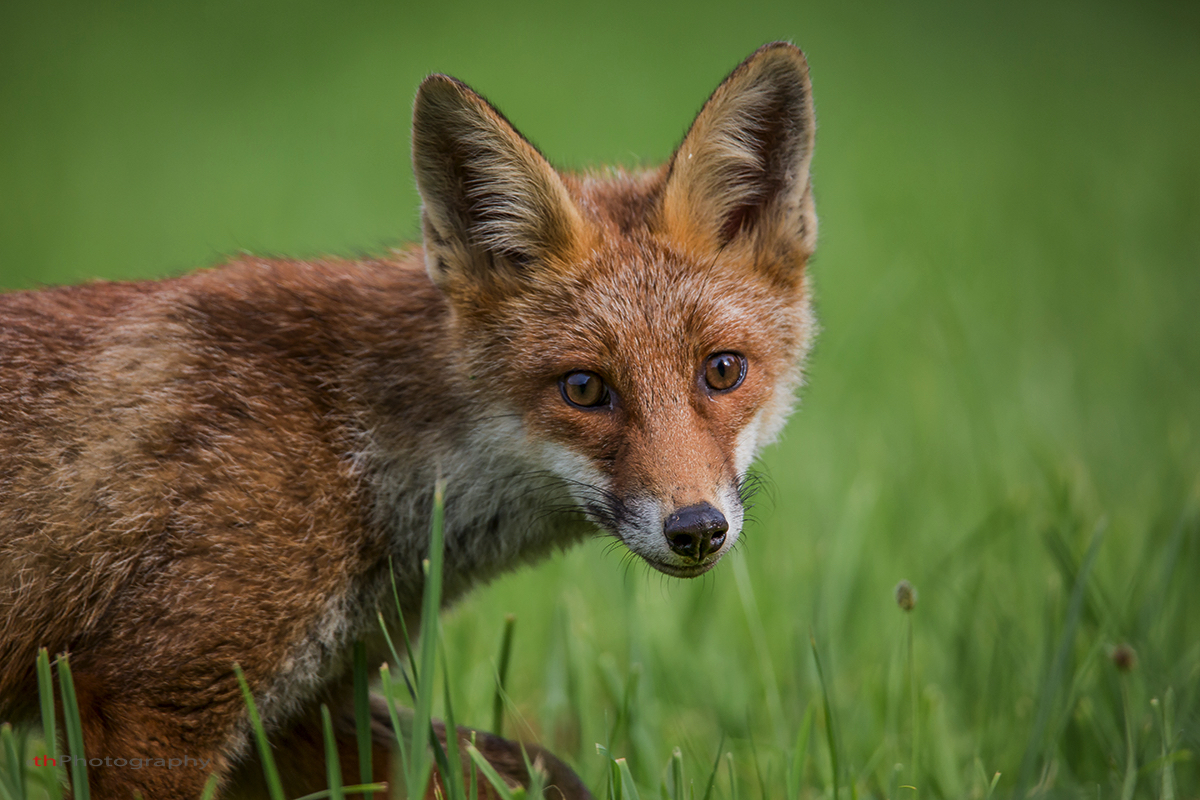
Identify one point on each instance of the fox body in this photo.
(231, 465)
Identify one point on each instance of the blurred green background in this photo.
(1008, 281)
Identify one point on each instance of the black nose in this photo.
(696, 532)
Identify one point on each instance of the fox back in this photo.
(232, 466)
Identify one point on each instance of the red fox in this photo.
(230, 466)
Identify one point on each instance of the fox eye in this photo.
(724, 371)
(584, 389)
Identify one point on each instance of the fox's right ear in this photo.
(492, 206)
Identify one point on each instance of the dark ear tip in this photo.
(440, 99)
(441, 86)
(780, 54)
(439, 80)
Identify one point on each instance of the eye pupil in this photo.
(724, 371)
(584, 389)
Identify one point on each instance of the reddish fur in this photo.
(217, 468)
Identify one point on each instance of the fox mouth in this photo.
(683, 570)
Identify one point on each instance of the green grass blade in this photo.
(74, 726)
(403, 624)
(270, 771)
(419, 764)
(397, 660)
(798, 771)
(1130, 782)
(762, 781)
(362, 714)
(672, 785)
(13, 755)
(506, 640)
(385, 677)
(712, 776)
(210, 787)
(1168, 768)
(333, 768)
(758, 635)
(365, 788)
(452, 771)
(916, 705)
(490, 773)
(615, 790)
(733, 783)
(830, 732)
(537, 778)
(628, 787)
(1055, 676)
(49, 722)
(472, 776)
(383, 627)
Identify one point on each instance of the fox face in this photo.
(647, 330)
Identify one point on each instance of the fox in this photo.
(237, 465)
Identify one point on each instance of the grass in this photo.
(1007, 283)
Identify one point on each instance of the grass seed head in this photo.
(906, 595)
(1124, 657)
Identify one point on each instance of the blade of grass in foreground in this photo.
(1167, 711)
(1130, 783)
(502, 675)
(210, 787)
(672, 788)
(490, 773)
(537, 777)
(333, 769)
(270, 772)
(74, 726)
(49, 722)
(403, 624)
(366, 788)
(452, 772)
(13, 751)
(712, 776)
(471, 776)
(799, 767)
(733, 785)
(427, 641)
(362, 714)
(385, 677)
(628, 787)
(758, 635)
(830, 733)
(1056, 675)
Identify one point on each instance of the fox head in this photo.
(646, 329)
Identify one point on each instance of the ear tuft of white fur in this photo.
(744, 163)
(487, 193)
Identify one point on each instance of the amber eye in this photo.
(724, 371)
(584, 389)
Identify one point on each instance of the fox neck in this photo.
(502, 508)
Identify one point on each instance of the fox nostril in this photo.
(696, 532)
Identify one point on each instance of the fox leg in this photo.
(136, 749)
(299, 753)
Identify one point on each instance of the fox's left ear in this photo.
(743, 167)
